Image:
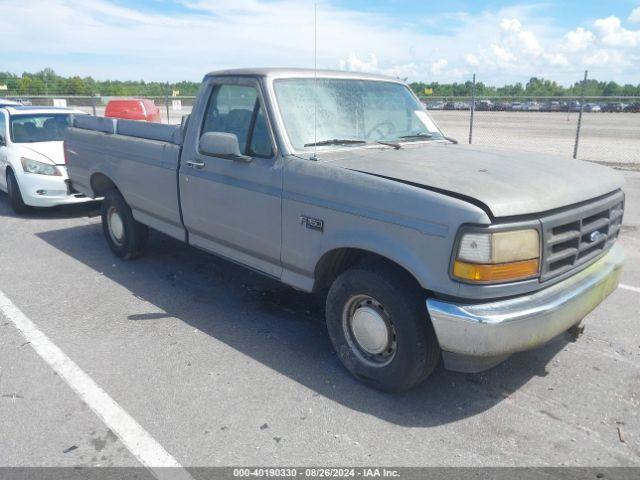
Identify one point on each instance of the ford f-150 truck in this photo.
(342, 183)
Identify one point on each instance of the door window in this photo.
(236, 109)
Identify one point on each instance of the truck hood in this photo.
(504, 182)
(51, 151)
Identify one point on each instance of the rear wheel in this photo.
(14, 194)
(125, 236)
(380, 328)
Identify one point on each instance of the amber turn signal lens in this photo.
(497, 272)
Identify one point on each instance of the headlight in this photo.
(491, 257)
(39, 168)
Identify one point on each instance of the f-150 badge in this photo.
(312, 223)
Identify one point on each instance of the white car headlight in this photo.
(497, 256)
(39, 168)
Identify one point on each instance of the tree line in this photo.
(535, 87)
(47, 82)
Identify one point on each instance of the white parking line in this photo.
(139, 442)
(629, 287)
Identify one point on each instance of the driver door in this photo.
(232, 207)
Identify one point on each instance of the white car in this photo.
(5, 102)
(32, 164)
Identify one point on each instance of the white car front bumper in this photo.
(47, 191)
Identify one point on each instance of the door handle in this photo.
(194, 164)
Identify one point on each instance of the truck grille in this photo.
(574, 237)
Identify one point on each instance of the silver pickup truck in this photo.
(342, 183)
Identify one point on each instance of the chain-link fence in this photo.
(609, 128)
(602, 129)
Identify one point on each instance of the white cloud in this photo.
(510, 25)
(613, 34)
(604, 57)
(529, 43)
(517, 38)
(438, 66)
(578, 39)
(355, 64)
(471, 59)
(502, 55)
(556, 59)
(634, 16)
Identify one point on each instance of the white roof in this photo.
(24, 110)
(7, 102)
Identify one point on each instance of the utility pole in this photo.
(473, 108)
(575, 146)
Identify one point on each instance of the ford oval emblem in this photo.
(596, 236)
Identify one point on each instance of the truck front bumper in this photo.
(475, 337)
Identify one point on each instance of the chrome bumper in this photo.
(475, 337)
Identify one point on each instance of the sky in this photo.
(170, 40)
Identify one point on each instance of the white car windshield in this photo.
(350, 112)
(41, 127)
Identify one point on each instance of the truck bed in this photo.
(141, 158)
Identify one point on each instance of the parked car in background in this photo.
(531, 107)
(592, 107)
(502, 106)
(32, 162)
(573, 106)
(5, 102)
(484, 105)
(613, 107)
(556, 106)
(133, 109)
(23, 101)
(633, 108)
(515, 107)
(435, 105)
(428, 249)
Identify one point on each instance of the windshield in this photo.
(41, 127)
(350, 112)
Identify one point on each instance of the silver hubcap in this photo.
(116, 226)
(369, 330)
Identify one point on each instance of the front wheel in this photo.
(15, 195)
(125, 236)
(380, 328)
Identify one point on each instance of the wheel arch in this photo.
(101, 184)
(337, 260)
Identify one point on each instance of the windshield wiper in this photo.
(395, 145)
(416, 136)
(335, 141)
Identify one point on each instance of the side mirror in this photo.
(3, 142)
(223, 145)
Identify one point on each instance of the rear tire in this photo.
(15, 195)
(125, 236)
(380, 328)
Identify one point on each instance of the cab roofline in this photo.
(300, 73)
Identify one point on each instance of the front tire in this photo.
(380, 328)
(15, 195)
(125, 236)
